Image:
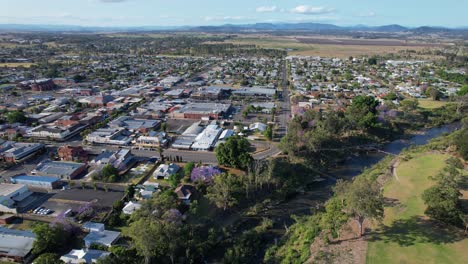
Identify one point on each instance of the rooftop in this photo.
(7, 188)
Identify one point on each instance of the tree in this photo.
(364, 200)
(156, 238)
(340, 189)
(16, 117)
(188, 168)
(48, 258)
(268, 133)
(362, 111)
(234, 153)
(443, 199)
(434, 93)
(409, 105)
(334, 216)
(79, 78)
(463, 90)
(223, 190)
(108, 174)
(48, 238)
(461, 141)
(164, 127)
(174, 179)
(372, 61)
(130, 191)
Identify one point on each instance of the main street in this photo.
(284, 114)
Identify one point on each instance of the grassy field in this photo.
(431, 104)
(16, 64)
(296, 47)
(407, 236)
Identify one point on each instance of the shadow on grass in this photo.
(391, 202)
(415, 230)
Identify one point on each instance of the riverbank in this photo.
(381, 167)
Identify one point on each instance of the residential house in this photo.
(165, 170)
(79, 256)
(98, 235)
(131, 207)
(185, 193)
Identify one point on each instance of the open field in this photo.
(329, 47)
(431, 104)
(408, 236)
(16, 64)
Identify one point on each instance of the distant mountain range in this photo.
(230, 28)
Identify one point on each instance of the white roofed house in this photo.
(87, 256)
(131, 207)
(165, 170)
(99, 235)
(258, 126)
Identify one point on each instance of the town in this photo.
(101, 133)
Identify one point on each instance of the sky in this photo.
(413, 13)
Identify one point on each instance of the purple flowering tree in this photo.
(204, 173)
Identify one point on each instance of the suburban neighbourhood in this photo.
(234, 144)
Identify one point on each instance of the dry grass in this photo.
(296, 47)
(16, 64)
(431, 104)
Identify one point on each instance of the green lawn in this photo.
(431, 104)
(407, 236)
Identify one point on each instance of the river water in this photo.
(356, 164)
(301, 204)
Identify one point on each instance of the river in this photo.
(301, 204)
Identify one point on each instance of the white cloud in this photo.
(311, 10)
(266, 9)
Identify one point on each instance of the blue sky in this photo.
(452, 13)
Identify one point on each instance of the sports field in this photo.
(407, 235)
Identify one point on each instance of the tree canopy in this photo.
(16, 117)
(48, 238)
(234, 153)
(443, 199)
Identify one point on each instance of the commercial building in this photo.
(202, 111)
(59, 169)
(211, 93)
(11, 195)
(254, 92)
(134, 124)
(44, 182)
(54, 132)
(16, 245)
(11, 151)
(71, 153)
(39, 85)
(120, 159)
(153, 141)
(207, 139)
(110, 136)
